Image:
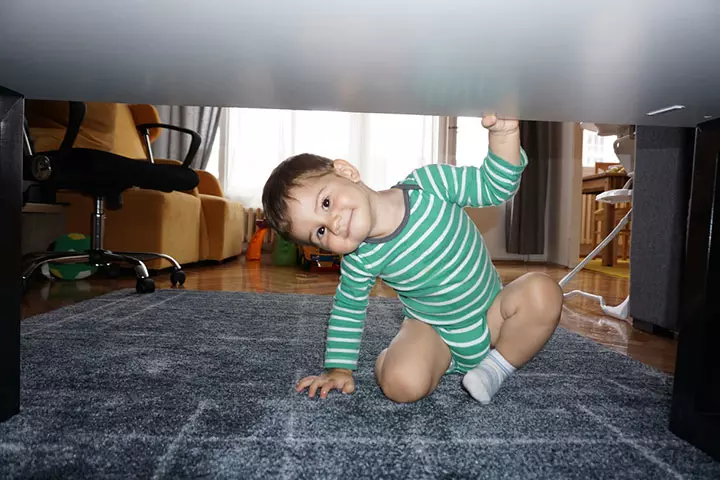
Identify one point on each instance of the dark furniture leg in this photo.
(11, 124)
(661, 189)
(695, 411)
(649, 327)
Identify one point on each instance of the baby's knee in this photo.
(379, 362)
(544, 295)
(404, 384)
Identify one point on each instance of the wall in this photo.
(562, 217)
(565, 198)
(491, 222)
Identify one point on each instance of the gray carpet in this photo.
(200, 384)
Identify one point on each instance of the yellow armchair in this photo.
(224, 219)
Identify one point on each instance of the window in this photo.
(472, 142)
(597, 149)
(385, 148)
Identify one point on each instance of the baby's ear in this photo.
(346, 169)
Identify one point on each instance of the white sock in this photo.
(483, 381)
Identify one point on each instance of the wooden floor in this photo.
(579, 314)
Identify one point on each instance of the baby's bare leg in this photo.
(413, 364)
(524, 316)
(521, 320)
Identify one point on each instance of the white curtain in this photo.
(384, 147)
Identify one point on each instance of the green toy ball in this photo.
(72, 242)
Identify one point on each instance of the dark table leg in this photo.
(695, 413)
(608, 255)
(11, 124)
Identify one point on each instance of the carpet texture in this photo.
(181, 384)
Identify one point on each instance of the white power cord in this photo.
(618, 311)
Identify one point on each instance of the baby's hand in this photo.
(338, 378)
(500, 126)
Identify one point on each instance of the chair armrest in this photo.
(195, 140)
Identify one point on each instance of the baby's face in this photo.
(332, 212)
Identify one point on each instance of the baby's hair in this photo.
(286, 176)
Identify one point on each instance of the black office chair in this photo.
(104, 176)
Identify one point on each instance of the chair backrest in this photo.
(108, 154)
(110, 127)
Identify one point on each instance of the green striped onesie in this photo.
(436, 261)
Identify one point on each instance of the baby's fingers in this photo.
(304, 383)
(329, 385)
(317, 383)
(307, 382)
(344, 386)
(489, 120)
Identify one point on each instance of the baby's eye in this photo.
(321, 232)
(326, 203)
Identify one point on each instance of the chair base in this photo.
(100, 257)
(104, 258)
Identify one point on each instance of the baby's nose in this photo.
(335, 224)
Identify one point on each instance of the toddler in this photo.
(418, 239)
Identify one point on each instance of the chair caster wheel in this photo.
(145, 285)
(177, 277)
(113, 270)
(24, 286)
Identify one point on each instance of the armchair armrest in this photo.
(195, 140)
(209, 185)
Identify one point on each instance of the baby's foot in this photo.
(483, 381)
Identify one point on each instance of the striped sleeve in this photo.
(494, 182)
(347, 318)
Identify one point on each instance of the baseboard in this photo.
(513, 261)
(519, 258)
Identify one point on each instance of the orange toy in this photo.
(254, 249)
